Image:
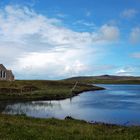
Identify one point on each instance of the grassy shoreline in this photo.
(42, 90)
(22, 127)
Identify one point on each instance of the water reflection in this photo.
(34, 108)
(118, 104)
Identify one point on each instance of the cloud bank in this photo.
(129, 13)
(34, 45)
(128, 70)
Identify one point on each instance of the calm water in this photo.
(119, 104)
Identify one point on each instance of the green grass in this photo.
(41, 89)
(25, 128)
(104, 81)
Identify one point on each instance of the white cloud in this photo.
(34, 44)
(129, 13)
(110, 33)
(135, 35)
(136, 55)
(59, 63)
(123, 72)
(85, 23)
(128, 71)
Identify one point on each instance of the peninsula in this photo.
(42, 89)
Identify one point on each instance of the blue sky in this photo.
(55, 39)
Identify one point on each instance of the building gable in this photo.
(2, 67)
(6, 74)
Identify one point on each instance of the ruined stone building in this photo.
(6, 74)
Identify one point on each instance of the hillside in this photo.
(106, 79)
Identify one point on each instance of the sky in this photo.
(56, 39)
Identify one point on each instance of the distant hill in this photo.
(106, 79)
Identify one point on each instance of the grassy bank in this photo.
(106, 79)
(25, 128)
(41, 89)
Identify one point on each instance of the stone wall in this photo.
(6, 74)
